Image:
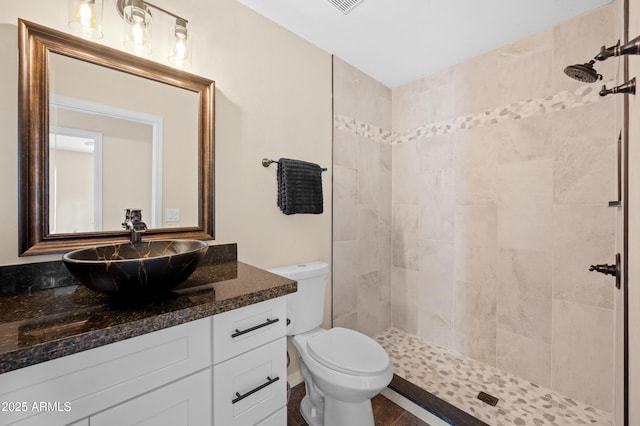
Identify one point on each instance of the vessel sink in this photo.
(137, 269)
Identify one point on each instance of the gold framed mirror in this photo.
(143, 130)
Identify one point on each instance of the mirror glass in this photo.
(146, 134)
(102, 131)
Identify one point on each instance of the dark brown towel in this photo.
(299, 187)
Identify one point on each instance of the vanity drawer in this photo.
(279, 418)
(186, 402)
(240, 330)
(252, 386)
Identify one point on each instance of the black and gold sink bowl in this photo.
(136, 269)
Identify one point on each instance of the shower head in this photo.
(583, 72)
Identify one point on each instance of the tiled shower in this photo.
(469, 204)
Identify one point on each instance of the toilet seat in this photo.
(348, 351)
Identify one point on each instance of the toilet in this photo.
(342, 368)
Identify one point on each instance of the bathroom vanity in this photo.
(212, 352)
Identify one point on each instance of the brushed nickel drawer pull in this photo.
(252, 391)
(249, 330)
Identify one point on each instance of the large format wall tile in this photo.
(368, 172)
(345, 88)
(404, 308)
(584, 154)
(582, 353)
(424, 101)
(368, 234)
(524, 357)
(525, 192)
(526, 60)
(476, 227)
(345, 278)
(405, 237)
(345, 149)
(583, 236)
(476, 160)
(436, 204)
(436, 291)
(476, 86)
(345, 203)
(405, 175)
(526, 139)
(525, 293)
(369, 303)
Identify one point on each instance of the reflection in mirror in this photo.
(140, 120)
(103, 131)
(75, 180)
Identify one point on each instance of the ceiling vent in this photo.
(345, 6)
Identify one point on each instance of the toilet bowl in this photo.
(342, 368)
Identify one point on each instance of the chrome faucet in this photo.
(133, 222)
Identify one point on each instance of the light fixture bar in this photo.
(120, 7)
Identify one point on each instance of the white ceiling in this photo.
(397, 41)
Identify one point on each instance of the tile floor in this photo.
(458, 381)
(385, 412)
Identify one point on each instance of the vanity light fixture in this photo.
(180, 44)
(137, 35)
(137, 27)
(85, 17)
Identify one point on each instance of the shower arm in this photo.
(630, 48)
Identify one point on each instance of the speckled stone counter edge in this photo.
(201, 308)
(63, 347)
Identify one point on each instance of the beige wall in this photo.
(273, 99)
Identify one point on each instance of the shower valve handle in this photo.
(605, 269)
(613, 270)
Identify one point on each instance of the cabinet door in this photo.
(186, 402)
(251, 386)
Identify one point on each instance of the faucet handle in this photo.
(133, 215)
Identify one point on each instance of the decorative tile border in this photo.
(565, 99)
(361, 128)
(458, 381)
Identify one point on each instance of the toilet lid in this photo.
(349, 352)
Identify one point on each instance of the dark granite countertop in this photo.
(43, 325)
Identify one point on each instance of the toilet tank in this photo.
(305, 307)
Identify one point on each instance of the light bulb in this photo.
(181, 50)
(137, 27)
(85, 14)
(139, 34)
(180, 39)
(85, 17)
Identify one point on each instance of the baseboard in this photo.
(295, 378)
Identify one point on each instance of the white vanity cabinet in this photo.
(185, 402)
(68, 389)
(250, 368)
(229, 369)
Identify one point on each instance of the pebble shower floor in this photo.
(458, 381)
